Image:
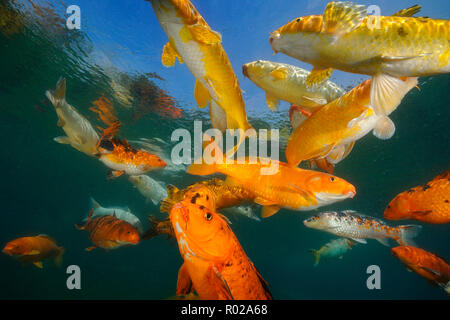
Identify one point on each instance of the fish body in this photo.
(80, 133)
(429, 203)
(384, 47)
(122, 158)
(286, 187)
(285, 82)
(149, 188)
(35, 249)
(426, 264)
(334, 128)
(357, 227)
(121, 213)
(333, 249)
(193, 42)
(109, 232)
(215, 265)
(244, 210)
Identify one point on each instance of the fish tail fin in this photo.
(58, 258)
(316, 256)
(407, 233)
(59, 94)
(89, 217)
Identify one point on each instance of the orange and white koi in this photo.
(192, 41)
(358, 227)
(122, 158)
(215, 265)
(429, 203)
(384, 47)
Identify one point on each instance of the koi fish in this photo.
(426, 264)
(246, 211)
(286, 187)
(122, 158)
(121, 213)
(384, 47)
(35, 249)
(332, 130)
(429, 203)
(285, 82)
(334, 248)
(215, 265)
(109, 232)
(151, 189)
(193, 42)
(358, 227)
(80, 133)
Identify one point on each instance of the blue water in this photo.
(46, 186)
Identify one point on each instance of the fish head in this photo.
(127, 234)
(136, 180)
(200, 231)
(299, 34)
(318, 221)
(329, 189)
(16, 247)
(201, 195)
(398, 208)
(257, 69)
(405, 254)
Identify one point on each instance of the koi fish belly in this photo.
(129, 168)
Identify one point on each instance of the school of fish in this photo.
(326, 123)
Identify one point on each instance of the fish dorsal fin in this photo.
(318, 75)
(114, 214)
(342, 17)
(383, 241)
(408, 12)
(268, 211)
(169, 55)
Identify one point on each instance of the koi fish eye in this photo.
(332, 179)
(208, 216)
(298, 20)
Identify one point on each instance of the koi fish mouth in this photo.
(325, 196)
(273, 36)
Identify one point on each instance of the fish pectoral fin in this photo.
(217, 280)
(204, 34)
(279, 73)
(264, 202)
(80, 139)
(387, 92)
(61, 123)
(201, 94)
(169, 55)
(112, 174)
(318, 75)
(408, 12)
(312, 102)
(359, 240)
(431, 270)
(297, 115)
(342, 17)
(62, 140)
(91, 248)
(384, 128)
(421, 213)
(184, 281)
(268, 211)
(383, 241)
(32, 253)
(272, 101)
(38, 264)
